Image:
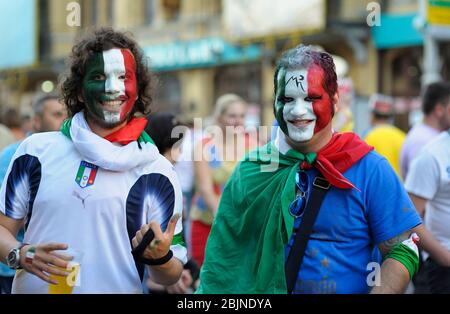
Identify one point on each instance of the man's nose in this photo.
(112, 85)
(299, 108)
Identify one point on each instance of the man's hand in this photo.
(41, 261)
(168, 273)
(160, 245)
(182, 286)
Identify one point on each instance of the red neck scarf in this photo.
(130, 132)
(342, 152)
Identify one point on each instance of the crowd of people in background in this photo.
(48, 115)
(421, 158)
(205, 159)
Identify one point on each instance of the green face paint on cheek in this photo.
(279, 105)
(94, 85)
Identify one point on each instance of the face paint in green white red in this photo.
(303, 107)
(109, 86)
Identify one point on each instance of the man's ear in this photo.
(80, 96)
(335, 102)
(37, 123)
(439, 110)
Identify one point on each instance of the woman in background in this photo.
(215, 157)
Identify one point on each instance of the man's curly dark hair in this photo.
(96, 41)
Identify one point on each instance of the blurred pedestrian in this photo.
(218, 153)
(384, 136)
(184, 167)
(27, 124)
(12, 119)
(435, 99)
(6, 136)
(428, 183)
(162, 128)
(48, 115)
(343, 119)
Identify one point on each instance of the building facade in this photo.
(200, 49)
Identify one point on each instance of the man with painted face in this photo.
(96, 187)
(263, 205)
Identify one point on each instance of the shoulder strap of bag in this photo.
(295, 258)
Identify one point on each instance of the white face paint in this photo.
(298, 112)
(114, 84)
(111, 117)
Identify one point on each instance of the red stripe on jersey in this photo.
(92, 176)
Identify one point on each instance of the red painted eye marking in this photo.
(322, 107)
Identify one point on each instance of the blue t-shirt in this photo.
(350, 225)
(5, 158)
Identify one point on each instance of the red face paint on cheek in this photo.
(130, 82)
(322, 107)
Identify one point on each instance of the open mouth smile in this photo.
(301, 123)
(113, 105)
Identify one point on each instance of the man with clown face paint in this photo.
(97, 186)
(364, 207)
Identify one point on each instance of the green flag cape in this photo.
(245, 249)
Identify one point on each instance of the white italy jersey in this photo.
(65, 199)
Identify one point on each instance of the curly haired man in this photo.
(95, 187)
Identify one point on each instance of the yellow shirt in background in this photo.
(387, 141)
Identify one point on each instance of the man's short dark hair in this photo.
(302, 57)
(40, 100)
(159, 127)
(435, 93)
(96, 42)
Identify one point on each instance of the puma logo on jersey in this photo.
(81, 198)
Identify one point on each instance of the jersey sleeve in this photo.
(390, 211)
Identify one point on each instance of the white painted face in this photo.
(114, 84)
(298, 111)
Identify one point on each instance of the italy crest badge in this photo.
(86, 174)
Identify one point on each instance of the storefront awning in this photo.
(396, 31)
(200, 53)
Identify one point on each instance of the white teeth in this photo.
(301, 120)
(112, 103)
